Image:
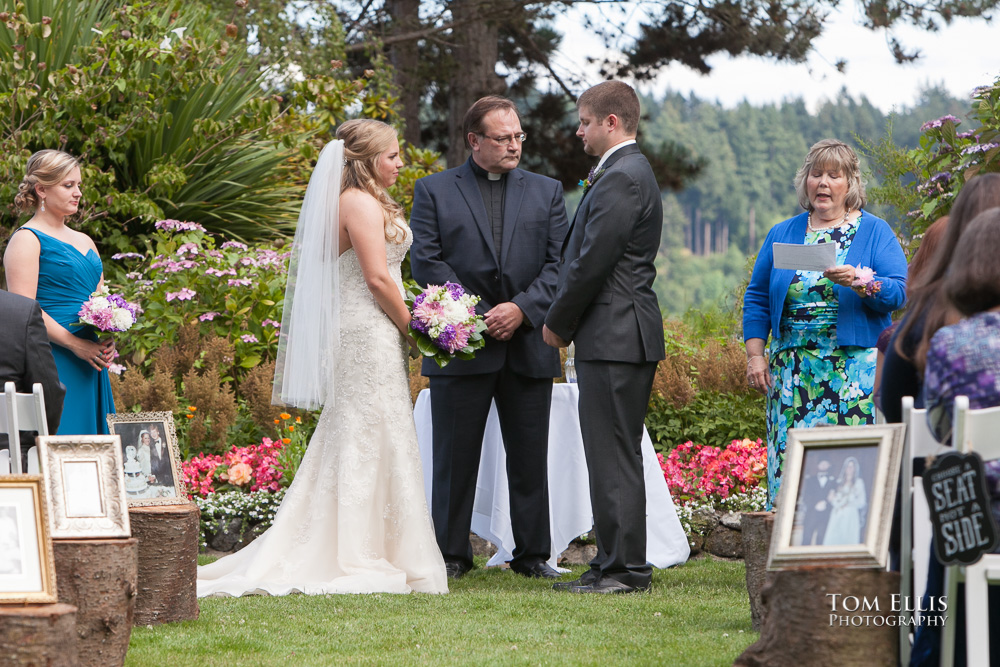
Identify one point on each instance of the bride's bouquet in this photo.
(444, 323)
(108, 312)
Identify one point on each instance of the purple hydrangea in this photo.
(938, 122)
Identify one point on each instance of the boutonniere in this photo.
(592, 177)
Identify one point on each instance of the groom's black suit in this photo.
(605, 304)
(453, 240)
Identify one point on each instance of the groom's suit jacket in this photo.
(604, 299)
(453, 241)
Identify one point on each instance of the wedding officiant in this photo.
(496, 230)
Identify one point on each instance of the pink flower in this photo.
(239, 282)
(184, 295)
(249, 338)
(208, 317)
(271, 323)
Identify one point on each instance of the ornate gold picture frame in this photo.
(27, 565)
(85, 485)
(150, 458)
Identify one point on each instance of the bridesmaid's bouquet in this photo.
(444, 323)
(108, 312)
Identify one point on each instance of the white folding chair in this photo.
(22, 412)
(973, 431)
(915, 528)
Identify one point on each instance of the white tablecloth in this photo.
(569, 488)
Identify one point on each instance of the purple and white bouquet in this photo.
(445, 324)
(108, 312)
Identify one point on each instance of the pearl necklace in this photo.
(809, 222)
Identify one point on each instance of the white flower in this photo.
(122, 319)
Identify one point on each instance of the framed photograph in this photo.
(85, 485)
(27, 566)
(836, 498)
(150, 459)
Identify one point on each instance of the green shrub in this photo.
(711, 418)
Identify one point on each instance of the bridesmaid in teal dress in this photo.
(59, 267)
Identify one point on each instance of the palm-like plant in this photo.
(170, 115)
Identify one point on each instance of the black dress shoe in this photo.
(607, 585)
(587, 578)
(455, 569)
(540, 570)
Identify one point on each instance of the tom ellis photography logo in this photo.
(898, 610)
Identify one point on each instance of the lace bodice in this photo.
(354, 292)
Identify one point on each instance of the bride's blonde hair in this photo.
(364, 142)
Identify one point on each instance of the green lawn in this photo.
(697, 614)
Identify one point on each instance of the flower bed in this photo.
(711, 485)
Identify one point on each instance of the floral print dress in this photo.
(814, 381)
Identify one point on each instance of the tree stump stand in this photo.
(168, 562)
(756, 528)
(38, 634)
(98, 577)
(842, 616)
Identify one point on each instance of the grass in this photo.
(697, 614)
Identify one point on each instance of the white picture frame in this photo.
(845, 519)
(85, 486)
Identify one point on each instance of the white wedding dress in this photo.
(355, 519)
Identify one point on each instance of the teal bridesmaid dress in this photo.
(66, 278)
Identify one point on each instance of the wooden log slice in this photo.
(38, 634)
(756, 528)
(99, 578)
(168, 562)
(827, 616)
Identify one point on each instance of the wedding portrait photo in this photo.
(455, 333)
(150, 460)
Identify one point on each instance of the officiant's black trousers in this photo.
(613, 401)
(460, 405)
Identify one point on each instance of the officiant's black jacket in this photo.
(453, 241)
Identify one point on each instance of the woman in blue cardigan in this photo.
(823, 326)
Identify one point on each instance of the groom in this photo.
(496, 230)
(605, 304)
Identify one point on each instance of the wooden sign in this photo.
(963, 523)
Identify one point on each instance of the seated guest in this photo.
(26, 358)
(903, 371)
(964, 360)
(919, 264)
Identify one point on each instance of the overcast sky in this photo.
(961, 57)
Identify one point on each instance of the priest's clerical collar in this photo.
(482, 173)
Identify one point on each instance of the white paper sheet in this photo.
(799, 257)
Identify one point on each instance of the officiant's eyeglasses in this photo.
(505, 141)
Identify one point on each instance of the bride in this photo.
(355, 519)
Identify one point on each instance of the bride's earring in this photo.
(43, 206)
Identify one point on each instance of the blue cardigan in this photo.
(859, 320)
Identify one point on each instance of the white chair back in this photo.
(21, 412)
(973, 431)
(915, 532)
